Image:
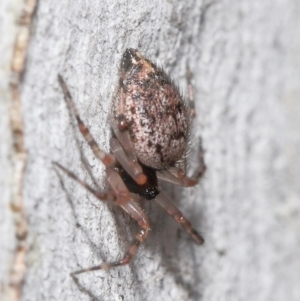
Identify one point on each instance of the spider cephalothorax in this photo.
(150, 124)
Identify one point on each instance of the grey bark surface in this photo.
(245, 60)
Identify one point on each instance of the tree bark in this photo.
(244, 59)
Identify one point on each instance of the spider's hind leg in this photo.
(134, 210)
(172, 210)
(131, 207)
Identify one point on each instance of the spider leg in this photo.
(131, 207)
(108, 196)
(177, 177)
(107, 159)
(202, 166)
(134, 210)
(172, 210)
(130, 165)
(192, 113)
(191, 100)
(120, 194)
(121, 131)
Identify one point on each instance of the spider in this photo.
(150, 130)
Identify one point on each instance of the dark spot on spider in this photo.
(162, 81)
(179, 108)
(152, 74)
(151, 119)
(127, 58)
(178, 135)
(132, 110)
(142, 123)
(132, 135)
(151, 132)
(136, 96)
(149, 96)
(149, 144)
(136, 243)
(172, 163)
(150, 193)
(158, 76)
(144, 112)
(121, 118)
(145, 84)
(138, 68)
(149, 190)
(158, 148)
(169, 110)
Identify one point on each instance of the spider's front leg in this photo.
(109, 160)
(133, 168)
(100, 195)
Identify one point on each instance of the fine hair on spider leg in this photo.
(150, 124)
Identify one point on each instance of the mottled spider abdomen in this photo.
(156, 116)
